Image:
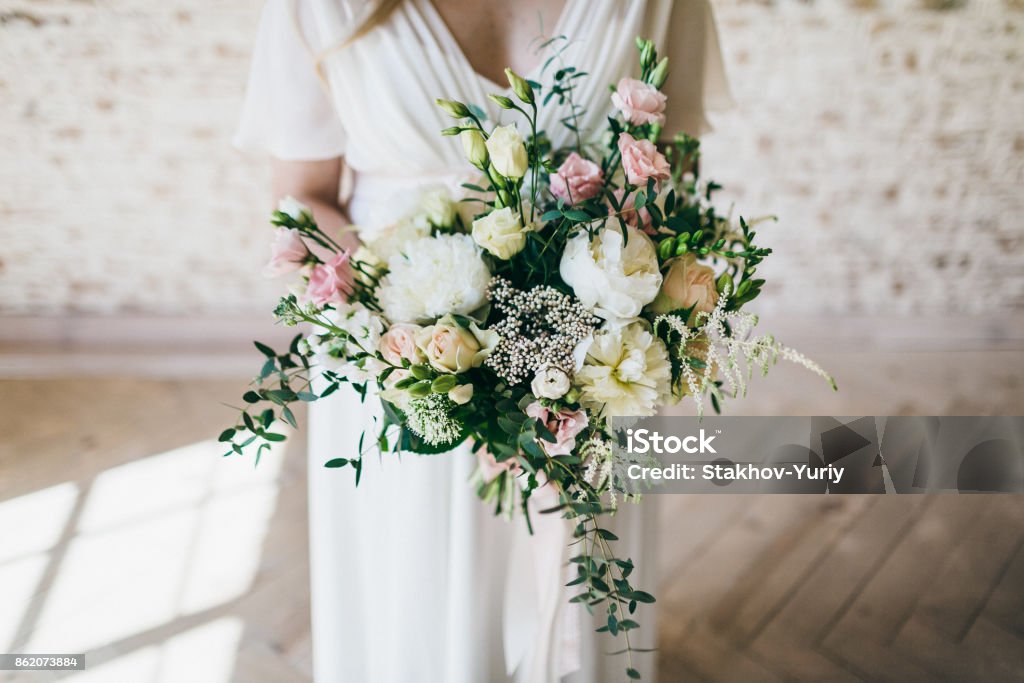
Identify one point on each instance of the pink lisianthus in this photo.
(639, 102)
(564, 424)
(331, 282)
(638, 219)
(577, 180)
(288, 252)
(642, 160)
(491, 468)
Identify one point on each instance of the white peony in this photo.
(626, 372)
(390, 240)
(616, 280)
(438, 207)
(500, 232)
(433, 277)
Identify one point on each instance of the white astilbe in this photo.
(430, 417)
(722, 340)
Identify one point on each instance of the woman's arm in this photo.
(315, 184)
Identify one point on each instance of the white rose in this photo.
(451, 348)
(551, 382)
(614, 279)
(500, 232)
(292, 207)
(438, 207)
(508, 153)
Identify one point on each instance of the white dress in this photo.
(413, 579)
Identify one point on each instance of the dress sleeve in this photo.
(287, 111)
(697, 82)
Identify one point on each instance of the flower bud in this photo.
(457, 110)
(420, 389)
(420, 371)
(443, 384)
(660, 73)
(519, 85)
(475, 147)
(724, 284)
(666, 247)
(503, 102)
(454, 130)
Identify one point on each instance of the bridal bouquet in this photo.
(564, 287)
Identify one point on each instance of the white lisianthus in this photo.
(438, 207)
(551, 382)
(500, 232)
(508, 152)
(451, 348)
(614, 279)
(433, 277)
(390, 240)
(365, 329)
(293, 207)
(626, 372)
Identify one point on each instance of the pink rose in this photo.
(400, 342)
(331, 282)
(577, 180)
(642, 160)
(629, 213)
(565, 425)
(639, 102)
(288, 252)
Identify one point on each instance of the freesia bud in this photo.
(457, 110)
(519, 85)
(660, 73)
(475, 147)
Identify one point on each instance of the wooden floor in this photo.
(754, 588)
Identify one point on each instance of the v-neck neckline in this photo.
(456, 47)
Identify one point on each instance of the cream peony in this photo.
(687, 284)
(613, 278)
(508, 153)
(435, 276)
(626, 372)
(500, 232)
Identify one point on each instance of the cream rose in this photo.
(613, 277)
(508, 153)
(500, 232)
(687, 284)
(438, 207)
(449, 347)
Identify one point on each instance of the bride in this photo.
(410, 571)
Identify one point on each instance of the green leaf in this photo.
(607, 535)
(633, 673)
(549, 216)
(264, 349)
(577, 215)
(289, 417)
(337, 462)
(251, 397)
(274, 436)
(227, 435)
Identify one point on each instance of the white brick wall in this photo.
(888, 135)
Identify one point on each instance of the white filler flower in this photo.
(435, 276)
(613, 277)
(626, 372)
